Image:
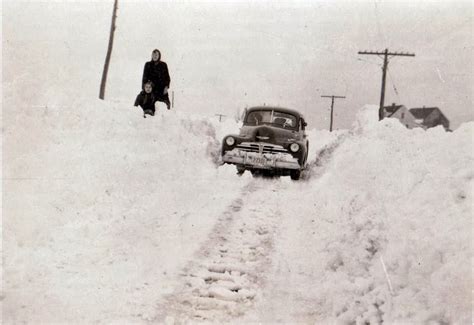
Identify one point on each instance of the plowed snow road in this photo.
(241, 272)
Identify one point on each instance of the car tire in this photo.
(256, 173)
(261, 173)
(295, 174)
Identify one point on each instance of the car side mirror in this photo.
(303, 124)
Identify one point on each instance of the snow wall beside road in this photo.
(96, 179)
(100, 201)
(401, 199)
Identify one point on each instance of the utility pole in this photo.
(220, 116)
(332, 107)
(109, 52)
(385, 54)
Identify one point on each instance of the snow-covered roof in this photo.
(423, 112)
(392, 108)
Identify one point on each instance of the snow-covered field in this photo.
(109, 217)
(112, 218)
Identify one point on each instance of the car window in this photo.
(258, 117)
(275, 118)
(284, 120)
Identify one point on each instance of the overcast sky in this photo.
(226, 56)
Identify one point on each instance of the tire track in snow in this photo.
(230, 270)
(290, 297)
(316, 166)
(227, 273)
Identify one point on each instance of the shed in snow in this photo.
(429, 117)
(401, 113)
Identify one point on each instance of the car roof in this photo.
(275, 108)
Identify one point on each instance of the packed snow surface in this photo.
(112, 218)
(109, 217)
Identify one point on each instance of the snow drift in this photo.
(102, 209)
(102, 206)
(401, 200)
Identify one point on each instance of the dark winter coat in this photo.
(156, 72)
(146, 101)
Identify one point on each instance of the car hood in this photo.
(267, 133)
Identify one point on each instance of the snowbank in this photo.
(103, 207)
(399, 199)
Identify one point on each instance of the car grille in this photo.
(266, 148)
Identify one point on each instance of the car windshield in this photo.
(275, 118)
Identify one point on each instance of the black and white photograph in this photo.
(237, 162)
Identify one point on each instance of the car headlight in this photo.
(230, 141)
(294, 147)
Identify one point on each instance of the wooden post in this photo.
(384, 77)
(220, 117)
(332, 108)
(385, 54)
(103, 82)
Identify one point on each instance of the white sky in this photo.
(225, 56)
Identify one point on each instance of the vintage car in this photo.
(272, 141)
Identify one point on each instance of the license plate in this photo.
(259, 161)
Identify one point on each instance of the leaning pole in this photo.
(109, 52)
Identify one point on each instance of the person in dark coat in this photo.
(146, 99)
(156, 71)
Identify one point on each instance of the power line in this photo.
(359, 59)
(220, 116)
(385, 54)
(332, 107)
(393, 85)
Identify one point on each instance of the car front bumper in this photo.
(255, 160)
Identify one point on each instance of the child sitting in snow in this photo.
(146, 99)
